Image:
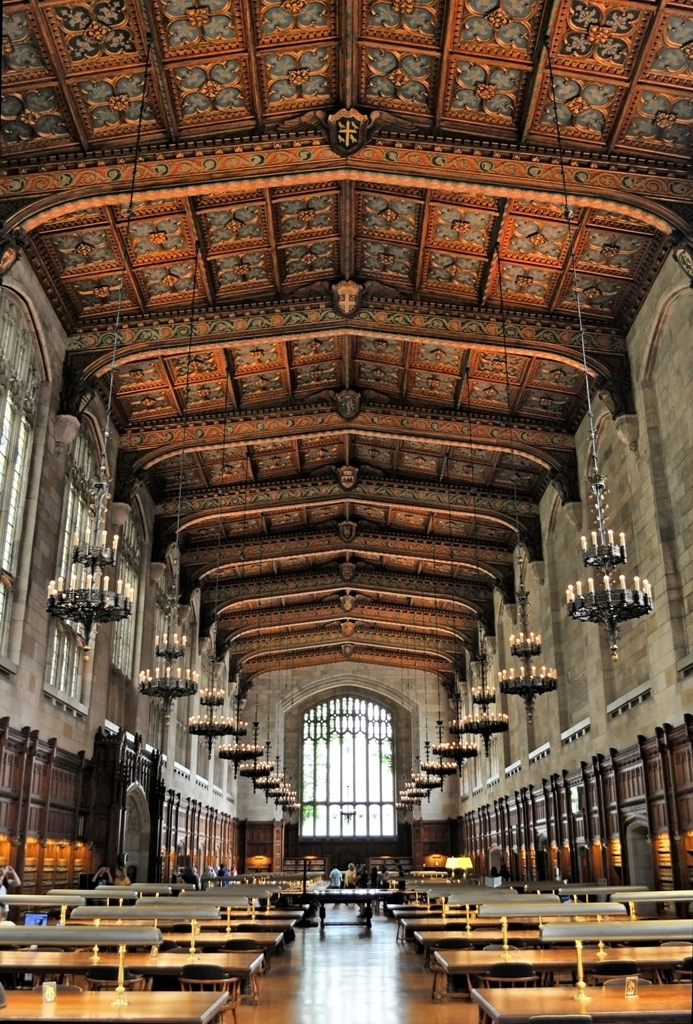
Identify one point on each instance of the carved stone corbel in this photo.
(66, 430)
(627, 429)
(537, 570)
(573, 513)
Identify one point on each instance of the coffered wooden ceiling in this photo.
(355, 464)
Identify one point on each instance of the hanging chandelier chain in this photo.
(128, 223)
(572, 235)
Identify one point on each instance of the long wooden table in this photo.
(654, 1004)
(408, 925)
(480, 937)
(245, 966)
(365, 898)
(558, 958)
(141, 1008)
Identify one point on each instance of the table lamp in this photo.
(459, 866)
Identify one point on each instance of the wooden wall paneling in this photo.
(654, 809)
(670, 804)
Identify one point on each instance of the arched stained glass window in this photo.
(347, 778)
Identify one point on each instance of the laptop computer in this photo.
(35, 919)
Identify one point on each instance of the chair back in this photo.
(509, 974)
(613, 969)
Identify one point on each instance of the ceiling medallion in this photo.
(346, 297)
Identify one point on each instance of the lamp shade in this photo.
(459, 864)
(109, 935)
(656, 931)
(175, 912)
(33, 900)
(656, 896)
(539, 908)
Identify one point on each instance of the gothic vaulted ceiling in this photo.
(348, 315)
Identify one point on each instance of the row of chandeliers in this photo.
(93, 594)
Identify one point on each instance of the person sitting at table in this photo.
(102, 876)
(335, 878)
(121, 876)
(191, 877)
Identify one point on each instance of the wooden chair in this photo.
(106, 977)
(498, 946)
(207, 978)
(597, 974)
(684, 970)
(509, 975)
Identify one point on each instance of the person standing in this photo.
(335, 878)
(8, 877)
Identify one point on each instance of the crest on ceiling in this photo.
(346, 297)
(347, 530)
(348, 627)
(348, 477)
(347, 131)
(347, 650)
(347, 403)
(347, 571)
(347, 601)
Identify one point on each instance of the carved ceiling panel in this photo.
(370, 214)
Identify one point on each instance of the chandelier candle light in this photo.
(607, 602)
(529, 683)
(485, 720)
(89, 599)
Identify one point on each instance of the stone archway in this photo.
(640, 868)
(137, 828)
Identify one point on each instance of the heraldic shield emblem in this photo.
(346, 297)
(346, 131)
(347, 530)
(347, 403)
(348, 477)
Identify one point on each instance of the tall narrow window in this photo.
(123, 636)
(348, 783)
(19, 382)
(65, 664)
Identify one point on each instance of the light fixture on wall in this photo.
(92, 594)
(170, 681)
(604, 600)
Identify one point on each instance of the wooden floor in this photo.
(346, 975)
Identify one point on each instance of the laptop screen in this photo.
(35, 918)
